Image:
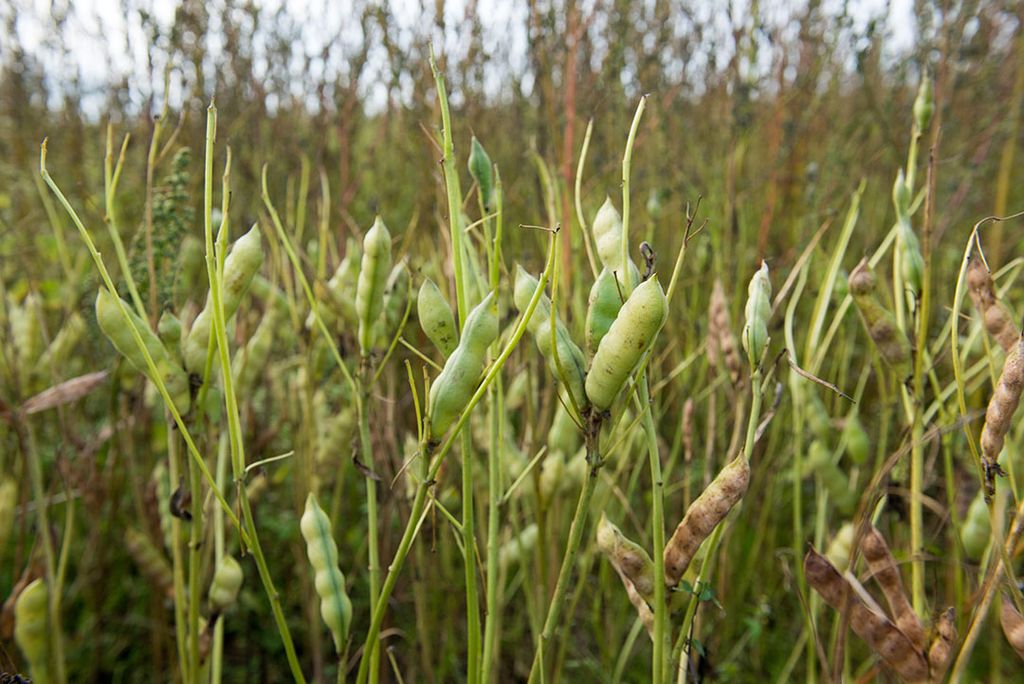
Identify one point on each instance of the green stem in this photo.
(195, 541)
(177, 563)
(366, 454)
(217, 652)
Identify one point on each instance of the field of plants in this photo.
(541, 341)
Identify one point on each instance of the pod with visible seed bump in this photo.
(941, 650)
(605, 302)
(627, 557)
(226, 583)
(373, 275)
(702, 516)
(838, 552)
(721, 341)
(117, 330)
(996, 318)
(335, 606)
(629, 338)
(32, 631)
(883, 569)
(889, 340)
(458, 379)
(999, 414)
(758, 310)
(240, 266)
(436, 318)
(564, 356)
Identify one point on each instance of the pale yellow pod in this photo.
(8, 504)
(31, 630)
(373, 276)
(627, 340)
(629, 558)
(226, 583)
(607, 230)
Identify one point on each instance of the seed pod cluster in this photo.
(117, 330)
(1013, 625)
(628, 339)
(999, 414)
(240, 266)
(226, 583)
(335, 606)
(707, 511)
(455, 384)
(890, 644)
(628, 558)
(31, 629)
(994, 315)
(436, 318)
(758, 311)
(889, 340)
(373, 275)
(566, 357)
(721, 341)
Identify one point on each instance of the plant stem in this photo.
(366, 454)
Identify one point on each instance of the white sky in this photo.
(100, 50)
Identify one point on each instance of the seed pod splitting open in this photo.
(31, 630)
(114, 326)
(240, 267)
(566, 356)
(373, 275)
(461, 373)
(709, 509)
(884, 638)
(628, 339)
(436, 318)
(627, 557)
(335, 606)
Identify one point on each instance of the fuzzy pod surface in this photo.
(628, 339)
(458, 379)
(226, 583)
(436, 317)
(564, 356)
(240, 266)
(1003, 404)
(707, 511)
(373, 276)
(31, 630)
(117, 330)
(335, 606)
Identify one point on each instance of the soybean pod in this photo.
(436, 318)
(335, 606)
(373, 276)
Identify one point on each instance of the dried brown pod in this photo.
(721, 340)
(883, 569)
(642, 609)
(150, 560)
(941, 651)
(1013, 625)
(889, 340)
(999, 415)
(994, 314)
(885, 639)
(630, 559)
(709, 509)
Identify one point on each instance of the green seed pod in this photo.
(341, 288)
(32, 631)
(564, 435)
(552, 477)
(270, 293)
(976, 531)
(62, 344)
(858, 444)
(605, 302)
(518, 547)
(113, 325)
(240, 266)
(901, 195)
(373, 275)
(191, 266)
(607, 230)
(819, 462)
(335, 606)
(840, 547)
(911, 259)
(892, 344)
(436, 318)
(26, 335)
(226, 583)
(250, 361)
(8, 504)
(758, 311)
(566, 357)
(150, 561)
(627, 557)
(480, 170)
(396, 295)
(169, 330)
(924, 104)
(457, 381)
(629, 338)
